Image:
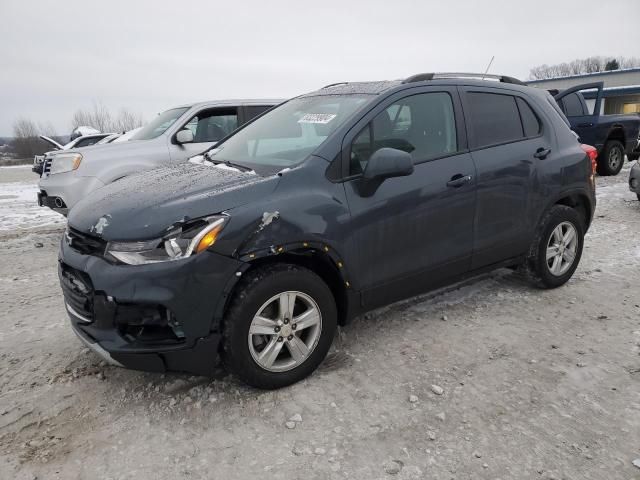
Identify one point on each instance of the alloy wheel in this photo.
(561, 248)
(285, 331)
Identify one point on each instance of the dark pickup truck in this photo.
(612, 135)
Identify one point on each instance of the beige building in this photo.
(621, 88)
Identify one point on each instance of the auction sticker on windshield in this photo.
(317, 118)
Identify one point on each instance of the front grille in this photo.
(77, 291)
(83, 243)
(47, 165)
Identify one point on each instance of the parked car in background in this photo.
(78, 142)
(334, 203)
(172, 137)
(612, 135)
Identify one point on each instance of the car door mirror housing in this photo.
(388, 163)
(184, 136)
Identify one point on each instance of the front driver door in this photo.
(416, 231)
(208, 126)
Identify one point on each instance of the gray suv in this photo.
(171, 137)
(334, 203)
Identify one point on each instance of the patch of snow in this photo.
(16, 166)
(19, 208)
(83, 130)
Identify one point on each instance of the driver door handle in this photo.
(459, 180)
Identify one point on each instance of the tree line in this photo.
(26, 142)
(581, 66)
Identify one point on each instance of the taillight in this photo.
(592, 153)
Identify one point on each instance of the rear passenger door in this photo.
(415, 230)
(507, 140)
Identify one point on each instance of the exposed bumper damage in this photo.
(166, 317)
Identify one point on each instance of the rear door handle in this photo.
(587, 124)
(542, 153)
(458, 180)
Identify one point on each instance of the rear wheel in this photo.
(556, 249)
(611, 160)
(279, 326)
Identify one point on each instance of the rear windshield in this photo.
(159, 125)
(288, 134)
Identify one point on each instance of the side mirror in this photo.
(387, 163)
(184, 136)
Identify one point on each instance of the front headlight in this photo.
(191, 239)
(65, 162)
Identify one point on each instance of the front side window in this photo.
(288, 134)
(159, 125)
(494, 118)
(212, 125)
(422, 125)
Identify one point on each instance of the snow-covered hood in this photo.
(145, 205)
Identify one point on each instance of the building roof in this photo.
(587, 75)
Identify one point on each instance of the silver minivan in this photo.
(173, 136)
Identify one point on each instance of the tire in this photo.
(611, 159)
(536, 266)
(241, 353)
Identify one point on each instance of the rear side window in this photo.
(494, 118)
(422, 125)
(572, 105)
(530, 122)
(255, 110)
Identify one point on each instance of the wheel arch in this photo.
(578, 200)
(317, 257)
(616, 132)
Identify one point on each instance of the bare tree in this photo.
(100, 118)
(97, 117)
(583, 65)
(26, 142)
(126, 120)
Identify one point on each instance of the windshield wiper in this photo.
(242, 168)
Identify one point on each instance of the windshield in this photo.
(159, 125)
(286, 135)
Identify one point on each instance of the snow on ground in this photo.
(19, 208)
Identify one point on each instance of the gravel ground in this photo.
(487, 379)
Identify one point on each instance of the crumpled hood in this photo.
(145, 205)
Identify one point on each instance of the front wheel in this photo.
(279, 326)
(611, 160)
(556, 249)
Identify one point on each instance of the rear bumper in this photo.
(159, 317)
(634, 178)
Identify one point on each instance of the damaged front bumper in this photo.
(159, 317)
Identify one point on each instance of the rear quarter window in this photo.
(495, 118)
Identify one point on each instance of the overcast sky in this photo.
(56, 57)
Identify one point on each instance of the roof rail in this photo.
(334, 84)
(421, 77)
